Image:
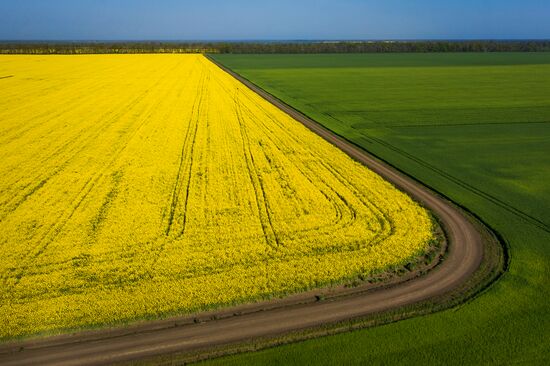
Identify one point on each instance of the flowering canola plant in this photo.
(137, 186)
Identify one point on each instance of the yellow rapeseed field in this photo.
(135, 186)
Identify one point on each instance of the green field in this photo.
(475, 127)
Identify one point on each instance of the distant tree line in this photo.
(70, 48)
(385, 47)
(272, 47)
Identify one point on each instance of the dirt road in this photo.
(186, 334)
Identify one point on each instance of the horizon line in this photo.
(267, 40)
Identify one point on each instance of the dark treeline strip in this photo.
(273, 47)
(69, 48)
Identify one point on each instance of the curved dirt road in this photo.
(184, 334)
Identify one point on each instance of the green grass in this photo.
(475, 127)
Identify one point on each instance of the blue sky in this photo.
(273, 20)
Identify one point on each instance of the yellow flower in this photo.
(134, 186)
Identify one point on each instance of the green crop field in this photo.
(475, 127)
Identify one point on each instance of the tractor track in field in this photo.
(230, 327)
